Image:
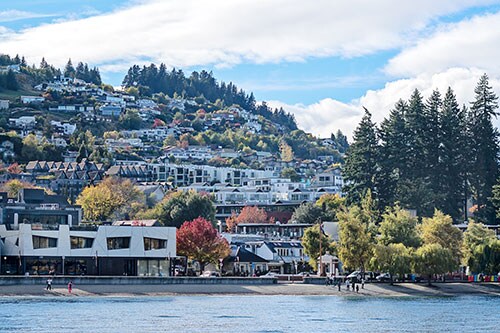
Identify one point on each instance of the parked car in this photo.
(357, 276)
(384, 277)
(210, 274)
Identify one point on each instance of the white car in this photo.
(210, 274)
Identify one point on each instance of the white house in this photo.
(32, 99)
(23, 121)
(4, 104)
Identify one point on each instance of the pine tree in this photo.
(452, 156)
(69, 70)
(361, 161)
(416, 132)
(43, 64)
(483, 149)
(393, 154)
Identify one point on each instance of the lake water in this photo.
(249, 314)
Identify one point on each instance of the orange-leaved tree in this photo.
(249, 214)
(199, 240)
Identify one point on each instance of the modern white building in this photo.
(104, 250)
(42, 234)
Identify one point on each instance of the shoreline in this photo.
(283, 289)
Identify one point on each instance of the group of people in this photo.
(332, 280)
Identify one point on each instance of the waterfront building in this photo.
(41, 234)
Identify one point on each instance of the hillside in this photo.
(194, 110)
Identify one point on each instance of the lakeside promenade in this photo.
(299, 289)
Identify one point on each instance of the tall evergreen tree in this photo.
(392, 155)
(483, 149)
(416, 135)
(452, 157)
(361, 161)
(69, 70)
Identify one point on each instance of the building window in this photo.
(116, 243)
(81, 242)
(154, 244)
(44, 242)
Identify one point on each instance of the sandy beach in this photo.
(299, 289)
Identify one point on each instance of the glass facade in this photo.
(44, 242)
(116, 243)
(153, 267)
(154, 244)
(81, 242)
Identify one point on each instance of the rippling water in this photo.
(249, 314)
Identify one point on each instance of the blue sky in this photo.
(321, 60)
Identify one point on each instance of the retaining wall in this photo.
(134, 280)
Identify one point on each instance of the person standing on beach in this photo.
(339, 284)
(347, 284)
(70, 286)
(362, 283)
(49, 283)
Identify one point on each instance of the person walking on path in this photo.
(357, 288)
(70, 286)
(347, 284)
(49, 283)
(339, 284)
(363, 283)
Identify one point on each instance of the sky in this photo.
(322, 60)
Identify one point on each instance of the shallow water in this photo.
(249, 314)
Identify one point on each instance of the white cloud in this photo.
(328, 115)
(469, 43)
(196, 32)
(14, 15)
(324, 117)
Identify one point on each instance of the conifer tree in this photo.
(361, 161)
(392, 154)
(431, 138)
(69, 70)
(452, 156)
(483, 149)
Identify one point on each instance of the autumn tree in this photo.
(112, 198)
(355, 240)
(311, 241)
(439, 229)
(249, 214)
(330, 204)
(198, 240)
(14, 186)
(481, 249)
(432, 259)
(286, 152)
(393, 258)
(399, 226)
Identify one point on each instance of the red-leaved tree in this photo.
(249, 214)
(199, 240)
